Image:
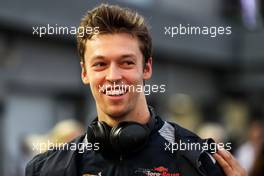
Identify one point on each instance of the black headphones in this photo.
(124, 138)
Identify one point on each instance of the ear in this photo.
(84, 74)
(147, 72)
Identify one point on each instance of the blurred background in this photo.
(214, 86)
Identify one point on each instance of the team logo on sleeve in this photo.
(156, 171)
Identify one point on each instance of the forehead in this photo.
(112, 45)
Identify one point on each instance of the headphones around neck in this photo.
(124, 138)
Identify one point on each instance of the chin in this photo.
(116, 111)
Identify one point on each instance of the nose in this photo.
(114, 73)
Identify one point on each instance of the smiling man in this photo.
(127, 137)
(115, 62)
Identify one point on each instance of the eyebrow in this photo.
(120, 57)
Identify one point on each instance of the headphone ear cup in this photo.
(98, 132)
(128, 137)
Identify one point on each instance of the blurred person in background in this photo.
(247, 152)
(131, 136)
(183, 111)
(31, 145)
(212, 130)
(258, 165)
(236, 115)
(19, 163)
(63, 132)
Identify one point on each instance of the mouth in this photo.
(115, 91)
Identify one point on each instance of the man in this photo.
(127, 137)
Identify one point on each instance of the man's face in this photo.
(112, 60)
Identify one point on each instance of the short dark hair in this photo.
(112, 19)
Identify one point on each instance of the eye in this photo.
(99, 64)
(128, 63)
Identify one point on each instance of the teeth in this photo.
(115, 92)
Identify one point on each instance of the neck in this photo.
(140, 114)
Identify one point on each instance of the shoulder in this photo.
(48, 159)
(35, 165)
(198, 155)
(182, 133)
